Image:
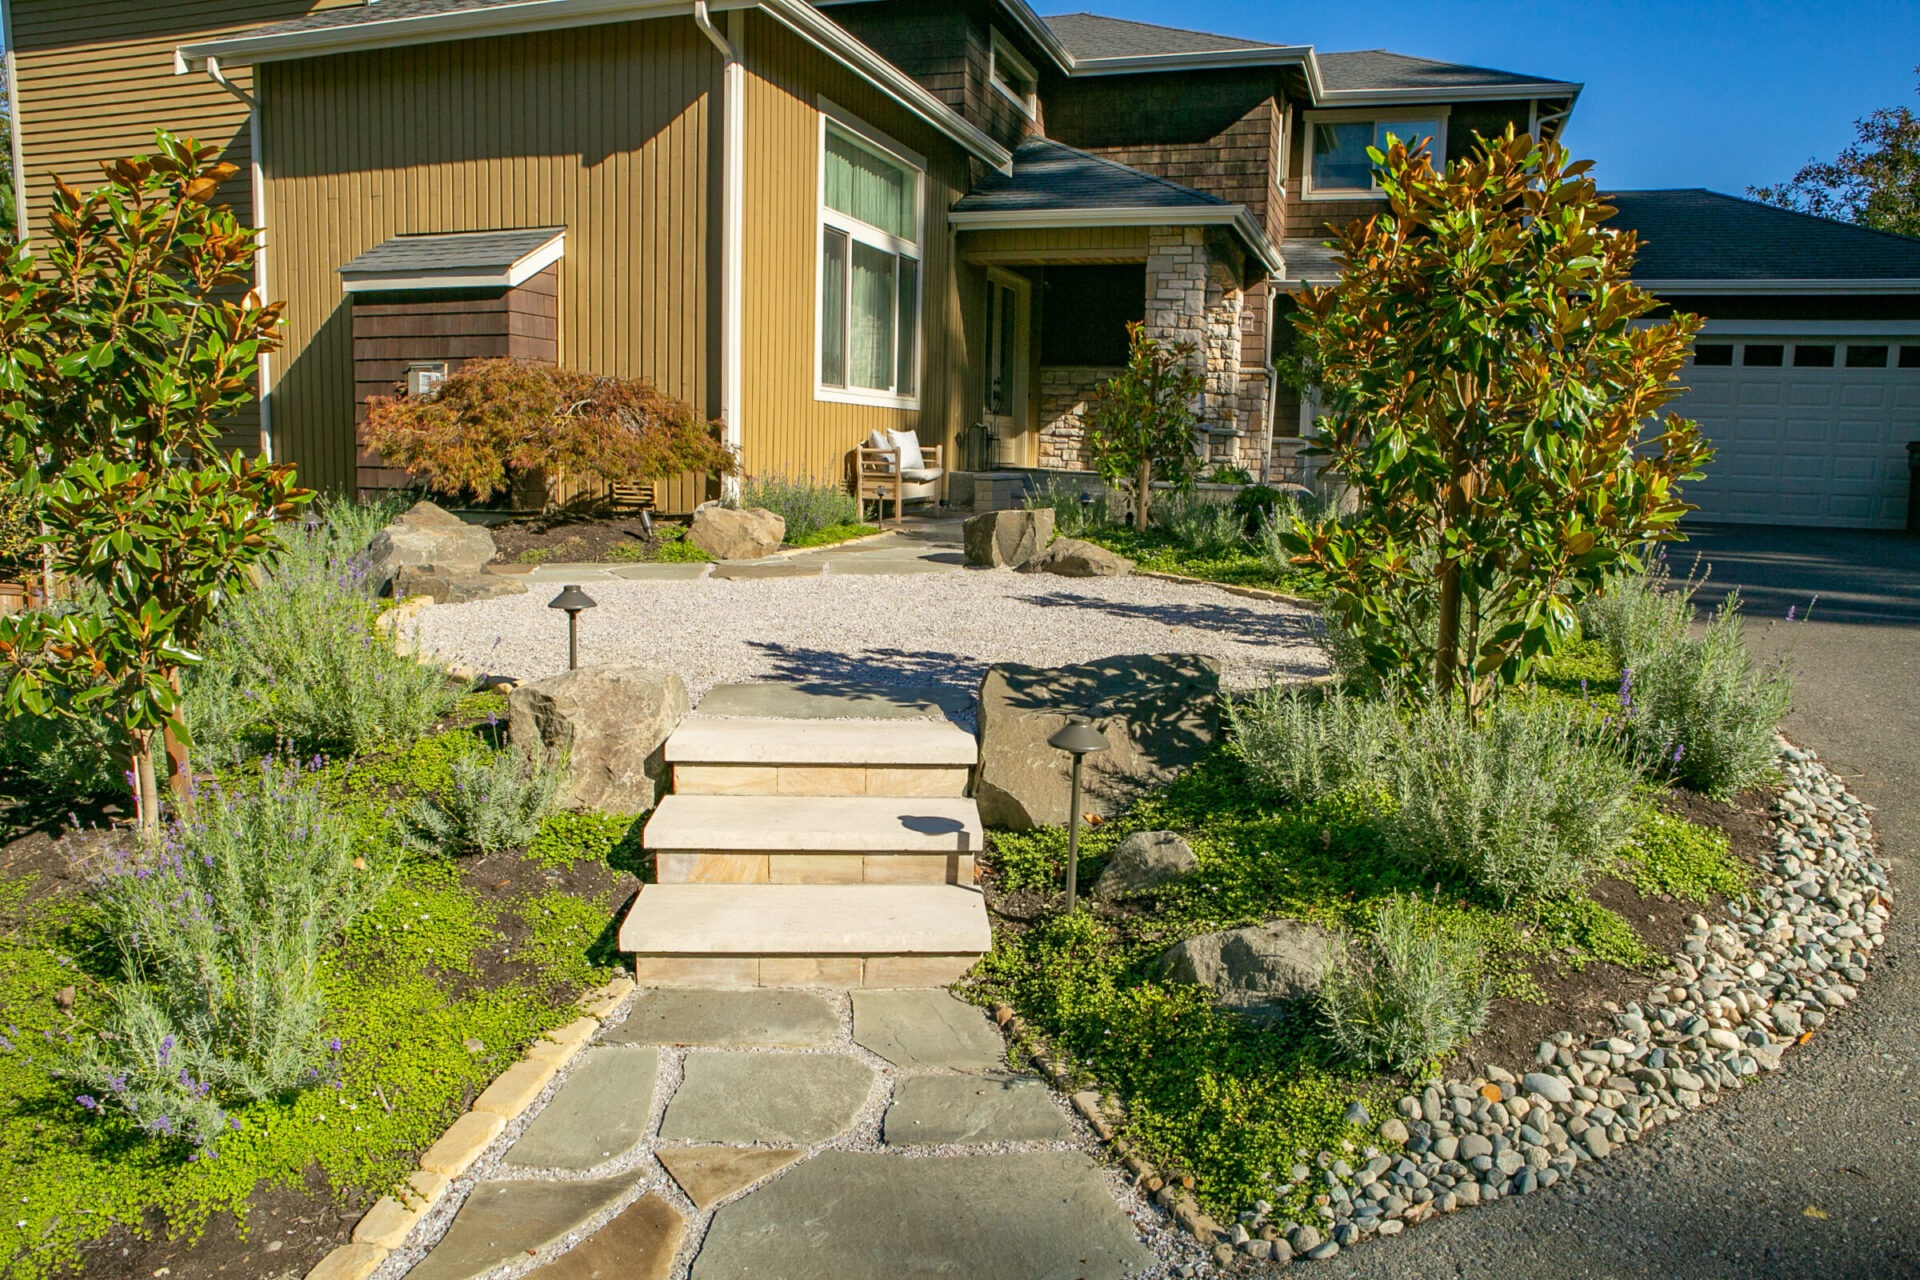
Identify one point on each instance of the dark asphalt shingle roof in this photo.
(1048, 175)
(1695, 234)
(1310, 260)
(380, 11)
(1090, 35)
(451, 251)
(1379, 69)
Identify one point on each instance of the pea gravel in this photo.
(921, 629)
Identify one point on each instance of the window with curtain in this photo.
(1340, 161)
(869, 268)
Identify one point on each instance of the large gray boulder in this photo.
(1145, 860)
(729, 534)
(427, 535)
(611, 722)
(1263, 965)
(1160, 714)
(1073, 558)
(451, 586)
(1007, 539)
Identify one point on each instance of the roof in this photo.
(1695, 236)
(1049, 175)
(1052, 184)
(1309, 261)
(381, 11)
(1371, 70)
(456, 260)
(1090, 35)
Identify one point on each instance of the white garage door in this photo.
(1807, 430)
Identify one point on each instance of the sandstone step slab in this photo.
(779, 935)
(813, 824)
(781, 741)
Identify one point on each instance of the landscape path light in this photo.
(313, 521)
(1078, 740)
(573, 600)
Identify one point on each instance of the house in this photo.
(809, 220)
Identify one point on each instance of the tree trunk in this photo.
(146, 795)
(1142, 488)
(1446, 646)
(179, 767)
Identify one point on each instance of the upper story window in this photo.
(870, 236)
(1012, 74)
(1338, 164)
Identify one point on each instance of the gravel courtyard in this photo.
(940, 629)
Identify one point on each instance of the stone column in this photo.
(1194, 295)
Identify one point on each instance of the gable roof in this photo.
(1706, 240)
(1093, 35)
(1052, 184)
(1373, 70)
(455, 260)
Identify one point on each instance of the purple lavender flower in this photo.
(166, 1050)
(333, 1046)
(1679, 750)
(87, 1100)
(162, 1124)
(1790, 611)
(1626, 690)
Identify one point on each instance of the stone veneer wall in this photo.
(1064, 392)
(1194, 295)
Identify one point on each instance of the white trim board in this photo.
(1236, 216)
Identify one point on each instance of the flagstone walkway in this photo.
(793, 1135)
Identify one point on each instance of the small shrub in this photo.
(1075, 512)
(807, 505)
(1695, 704)
(1525, 805)
(61, 756)
(220, 930)
(1301, 747)
(495, 800)
(1405, 994)
(1206, 529)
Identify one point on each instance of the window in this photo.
(1869, 357)
(1012, 74)
(1812, 356)
(870, 212)
(1910, 357)
(1339, 164)
(1715, 354)
(1763, 355)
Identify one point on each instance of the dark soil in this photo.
(560, 536)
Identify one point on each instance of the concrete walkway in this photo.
(917, 546)
(803, 1135)
(1812, 1173)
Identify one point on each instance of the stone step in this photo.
(713, 755)
(786, 935)
(747, 839)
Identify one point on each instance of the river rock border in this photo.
(385, 1227)
(1742, 992)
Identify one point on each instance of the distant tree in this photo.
(1874, 182)
(1140, 424)
(493, 421)
(1494, 391)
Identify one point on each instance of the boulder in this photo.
(1263, 965)
(1160, 714)
(428, 535)
(1072, 558)
(451, 586)
(1007, 539)
(729, 534)
(1144, 860)
(611, 722)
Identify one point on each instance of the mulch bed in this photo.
(564, 537)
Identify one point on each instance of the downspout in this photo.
(18, 157)
(257, 176)
(732, 229)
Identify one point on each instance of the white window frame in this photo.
(1001, 49)
(854, 229)
(1376, 115)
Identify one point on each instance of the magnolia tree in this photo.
(1140, 424)
(120, 352)
(495, 421)
(1493, 391)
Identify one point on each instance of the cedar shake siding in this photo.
(392, 331)
(949, 50)
(611, 132)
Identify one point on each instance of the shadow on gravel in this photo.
(1234, 622)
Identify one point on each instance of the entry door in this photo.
(1008, 326)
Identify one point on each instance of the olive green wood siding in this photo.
(1031, 245)
(603, 130)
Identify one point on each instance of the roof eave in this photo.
(1463, 93)
(1218, 60)
(1236, 216)
(547, 15)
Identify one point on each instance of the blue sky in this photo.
(1713, 95)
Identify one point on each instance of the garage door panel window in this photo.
(1713, 355)
(870, 238)
(1812, 355)
(1763, 355)
(1910, 357)
(1866, 357)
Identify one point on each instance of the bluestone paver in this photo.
(927, 1029)
(637, 1245)
(599, 1113)
(504, 1221)
(939, 1110)
(711, 1174)
(766, 1097)
(761, 1019)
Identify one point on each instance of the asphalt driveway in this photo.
(1815, 1171)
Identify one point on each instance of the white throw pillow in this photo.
(908, 443)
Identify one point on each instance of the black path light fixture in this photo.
(573, 600)
(1078, 739)
(312, 522)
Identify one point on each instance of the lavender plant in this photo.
(219, 928)
(496, 800)
(1406, 993)
(806, 504)
(1302, 747)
